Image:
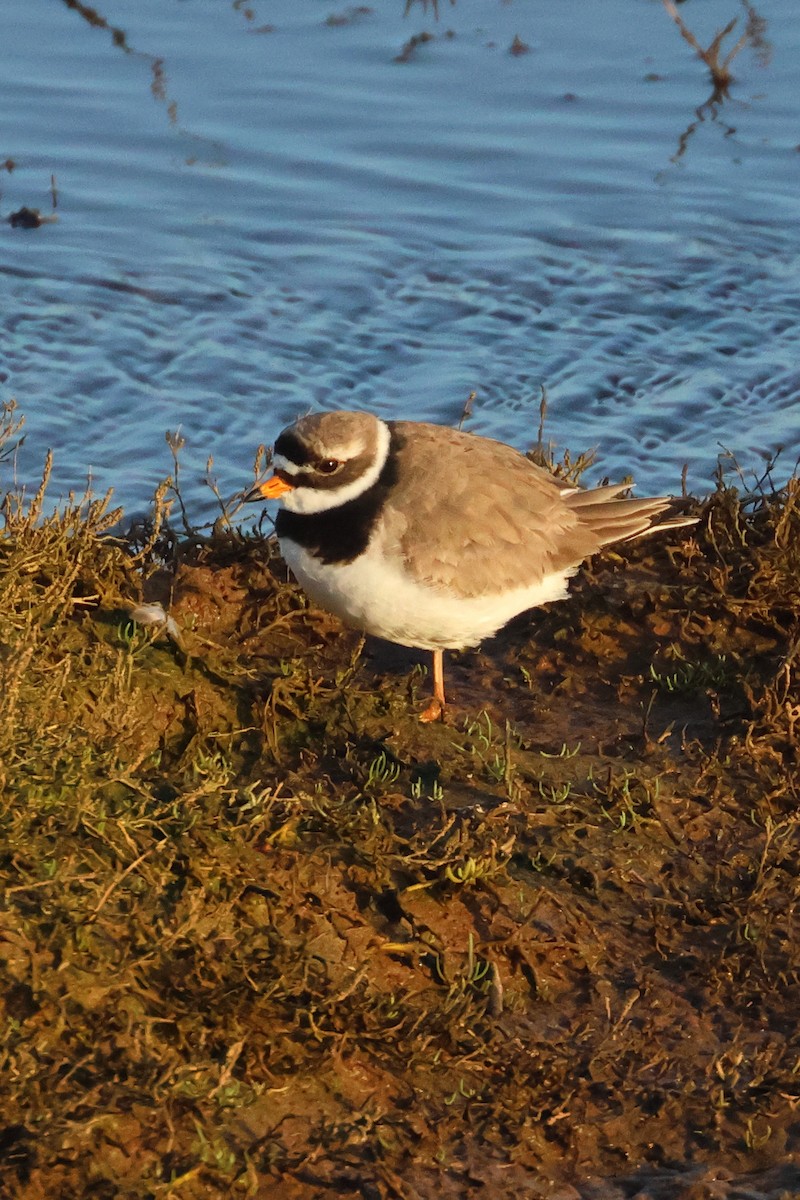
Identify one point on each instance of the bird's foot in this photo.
(433, 712)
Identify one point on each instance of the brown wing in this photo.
(476, 514)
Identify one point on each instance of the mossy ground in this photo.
(263, 934)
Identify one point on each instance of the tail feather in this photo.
(620, 520)
(583, 497)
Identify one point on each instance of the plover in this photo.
(431, 537)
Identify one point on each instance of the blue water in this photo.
(261, 211)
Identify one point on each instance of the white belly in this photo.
(379, 597)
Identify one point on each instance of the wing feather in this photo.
(474, 516)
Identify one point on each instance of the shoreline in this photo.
(267, 934)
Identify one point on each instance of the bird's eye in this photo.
(328, 466)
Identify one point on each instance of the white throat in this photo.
(315, 500)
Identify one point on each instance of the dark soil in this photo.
(265, 935)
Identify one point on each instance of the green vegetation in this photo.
(263, 934)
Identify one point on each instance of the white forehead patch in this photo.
(280, 463)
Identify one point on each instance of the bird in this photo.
(434, 537)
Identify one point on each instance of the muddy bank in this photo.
(263, 934)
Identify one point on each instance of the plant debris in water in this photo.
(263, 934)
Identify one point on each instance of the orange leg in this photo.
(435, 710)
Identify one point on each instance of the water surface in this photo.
(261, 211)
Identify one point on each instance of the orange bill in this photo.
(271, 488)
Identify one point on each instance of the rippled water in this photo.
(261, 211)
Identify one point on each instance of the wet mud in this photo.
(264, 934)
